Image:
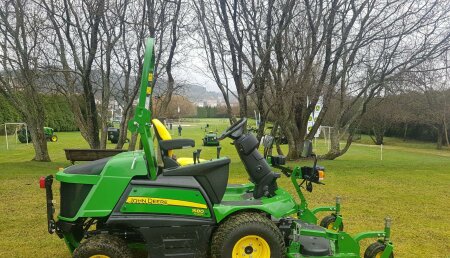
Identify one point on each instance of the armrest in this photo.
(176, 144)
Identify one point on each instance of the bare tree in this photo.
(349, 51)
(128, 58)
(217, 65)
(174, 37)
(238, 38)
(76, 27)
(22, 28)
(431, 90)
(163, 20)
(385, 54)
(112, 25)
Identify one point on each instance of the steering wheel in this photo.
(233, 128)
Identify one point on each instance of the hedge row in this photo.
(58, 114)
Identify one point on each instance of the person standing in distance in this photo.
(179, 130)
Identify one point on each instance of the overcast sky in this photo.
(194, 69)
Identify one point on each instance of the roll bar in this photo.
(142, 116)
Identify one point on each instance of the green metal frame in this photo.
(345, 245)
(141, 121)
(308, 215)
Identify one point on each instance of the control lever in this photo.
(315, 161)
(194, 156)
(198, 155)
(309, 186)
(218, 151)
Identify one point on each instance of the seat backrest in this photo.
(162, 133)
(257, 167)
(212, 176)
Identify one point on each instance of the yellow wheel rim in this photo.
(53, 138)
(330, 226)
(251, 246)
(379, 255)
(99, 256)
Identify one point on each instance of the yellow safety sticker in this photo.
(149, 90)
(163, 201)
(150, 77)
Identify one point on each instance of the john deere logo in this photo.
(164, 201)
(145, 200)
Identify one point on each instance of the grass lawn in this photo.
(411, 185)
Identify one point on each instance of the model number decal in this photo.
(198, 212)
(164, 201)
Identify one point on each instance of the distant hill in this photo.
(195, 93)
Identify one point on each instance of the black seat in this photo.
(91, 168)
(212, 176)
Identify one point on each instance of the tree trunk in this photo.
(295, 142)
(261, 126)
(446, 133)
(295, 148)
(405, 132)
(132, 145)
(379, 136)
(104, 134)
(277, 143)
(123, 129)
(91, 134)
(439, 137)
(335, 148)
(122, 134)
(36, 127)
(242, 106)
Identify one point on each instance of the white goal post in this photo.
(326, 135)
(15, 131)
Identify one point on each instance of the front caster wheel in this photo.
(328, 223)
(248, 234)
(104, 246)
(375, 250)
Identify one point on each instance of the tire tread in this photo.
(238, 220)
(114, 245)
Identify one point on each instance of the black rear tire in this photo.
(261, 234)
(103, 244)
(375, 249)
(327, 222)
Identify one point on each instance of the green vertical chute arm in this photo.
(142, 117)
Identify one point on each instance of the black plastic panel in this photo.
(72, 196)
(212, 175)
(167, 235)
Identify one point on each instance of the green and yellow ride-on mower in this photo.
(117, 206)
(48, 132)
(211, 139)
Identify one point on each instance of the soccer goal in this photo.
(17, 128)
(326, 131)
